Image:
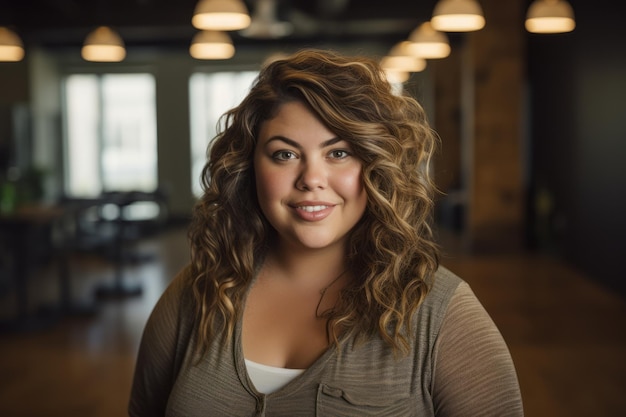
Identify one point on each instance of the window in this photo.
(211, 95)
(111, 142)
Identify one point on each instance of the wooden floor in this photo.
(566, 335)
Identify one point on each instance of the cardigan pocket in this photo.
(333, 401)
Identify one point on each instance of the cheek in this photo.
(351, 184)
(350, 187)
(268, 185)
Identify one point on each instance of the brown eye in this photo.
(283, 155)
(339, 154)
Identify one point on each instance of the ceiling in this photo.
(167, 23)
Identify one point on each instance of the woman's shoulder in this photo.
(474, 372)
(444, 277)
(178, 297)
(427, 320)
(182, 282)
(441, 287)
(447, 293)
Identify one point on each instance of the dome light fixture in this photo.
(11, 46)
(401, 59)
(458, 16)
(396, 77)
(428, 43)
(211, 44)
(550, 16)
(103, 45)
(220, 15)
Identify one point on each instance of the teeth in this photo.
(311, 209)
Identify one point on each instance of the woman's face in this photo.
(308, 182)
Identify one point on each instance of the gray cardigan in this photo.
(459, 365)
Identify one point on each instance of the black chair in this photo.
(131, 216)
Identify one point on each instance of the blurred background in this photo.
(100, 161)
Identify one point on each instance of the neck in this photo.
(313, 267)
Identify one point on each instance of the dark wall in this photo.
(577, 93)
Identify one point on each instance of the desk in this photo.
(18, 230)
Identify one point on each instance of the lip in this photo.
(312, 210)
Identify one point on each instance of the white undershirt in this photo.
(267, 379)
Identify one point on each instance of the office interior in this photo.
(531, 210)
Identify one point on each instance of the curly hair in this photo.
(391, 251)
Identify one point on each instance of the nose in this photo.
(313, 175)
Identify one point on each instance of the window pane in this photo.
(111, 136)
(129, 148)
(211, 95)
(82, 146)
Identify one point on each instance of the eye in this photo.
(283, 155)
(339, 154)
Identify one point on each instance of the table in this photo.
(19, 229)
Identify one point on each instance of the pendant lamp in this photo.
(220, 15)
(211, 44)
(103, 45)
(458, 16)
(396, 77)
(11, 46)
(401, 59)
(550, 16)
(428, 43)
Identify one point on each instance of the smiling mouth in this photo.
(312, 209)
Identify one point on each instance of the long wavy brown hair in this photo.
(391, 251)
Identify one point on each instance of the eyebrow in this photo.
(295, 144)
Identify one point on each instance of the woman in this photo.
(314, 286)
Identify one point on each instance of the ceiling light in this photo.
(220, 15)
(458, 16)
(428, 43)
(211, 44)
(550, 16)
(394, 76)
(103, 45)
(401, 59)
(11, 47)
(403, 63)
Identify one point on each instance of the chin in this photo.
(309, 242)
